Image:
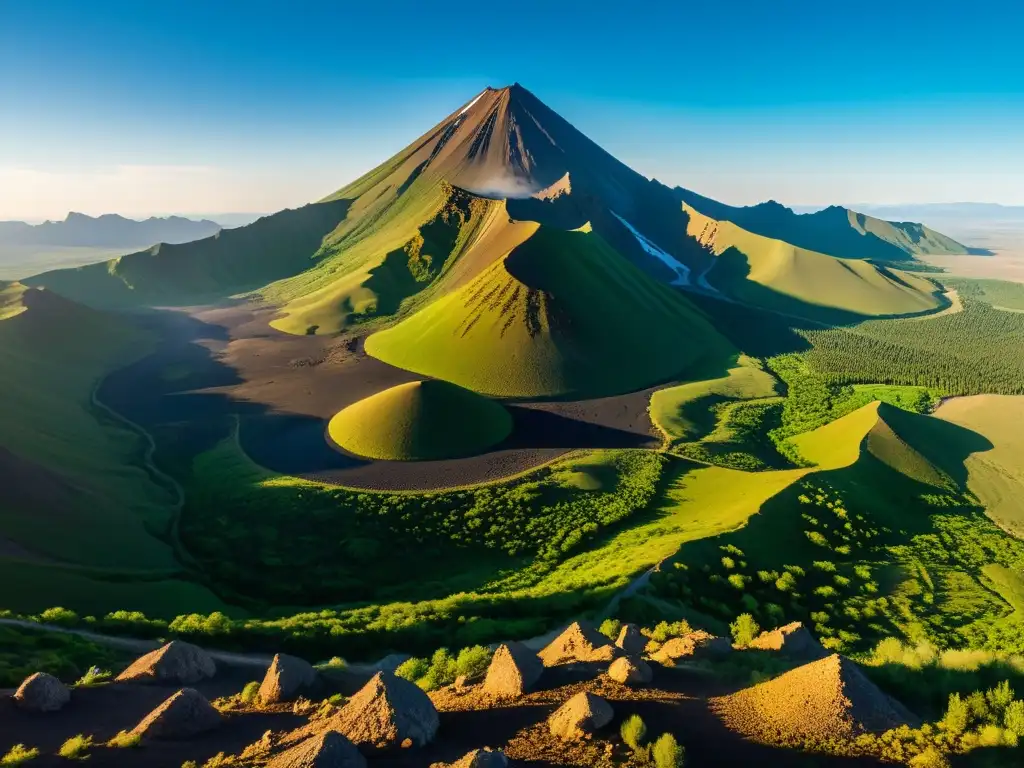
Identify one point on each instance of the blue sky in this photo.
(161, 107)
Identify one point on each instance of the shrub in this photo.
(744, 629)
(250, 692)
(786, 582)
(666, 752)
(94, 676)
(816, 538)
(124, 739)
(930, 758)
(335, 662)
(62, 616)
(19, 754)
(824, 565)
(957, 715)
(75, 747)
(473, 661)
(633, 731)
(412, 669)
(999, 698)
(737, 581)
(728, 563)
(1013, 718)
(665, 630)
(610, 628)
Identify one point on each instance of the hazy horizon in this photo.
(264, 110)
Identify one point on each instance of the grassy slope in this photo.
(777, 275)
(231, 262)
(79, 495)
(997, 293)
(47, 375)
(420, 420)
(563, 313)
(995, 472)
(684, 412)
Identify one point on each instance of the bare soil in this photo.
(213, 365)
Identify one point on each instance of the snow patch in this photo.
(466, 108)
(682, 272)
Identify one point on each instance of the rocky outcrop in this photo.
(579, 642)
(693, 646)
(184, 715)
(630, 640)
(287, 677)
(176, 662)
(580, 716)
(513, 671)
(630, 671)
(385, 713)
(793, 641)
(42, 693)
(329, 749)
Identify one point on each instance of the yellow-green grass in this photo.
(105, 505)
(995, 464)
(420, 420)
(562, 314)
(684, 412)
(1008, 584)
(10, 299)
(776, 275)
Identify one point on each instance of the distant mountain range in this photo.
(106, 231)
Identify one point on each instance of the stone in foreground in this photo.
(693, 646)
(580, 717)
(287, 677)
(793, 641)
(578, 643)
(630, 671)
(176, 662)
(630, 640)
(324, 750)
(513, 671)
(184, 715)
(385, 713)
(42, 693)
(478, 758)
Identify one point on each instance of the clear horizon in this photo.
(243, 107)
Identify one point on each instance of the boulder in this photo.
(386, 712)
(478, 758)
(324, 750)
(176, 662)
(695, 645)
(580, 717)
(630, 671)
(287, 677)
(42, 693)
(630, 640)
(793, 641)
(579, 642)
(184, 715)
(513, 671)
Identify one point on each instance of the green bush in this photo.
(413, 669)
(610, 628)
(666, 752)
(19, 754)
(76, 747)
(957, 716)
(929, 758)
(633, 731)
(125, 740)
(93, 676)
(473, 661)
(250, 692)
(744, 629)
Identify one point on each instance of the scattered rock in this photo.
(176, 662)
(630, 640)
(42, 693)
(824, 700)
(793, 641)
(324, 750)
(184, 715)
(579, 642)
(630, 671)
(478, 758)
(580, 716)
(385, 712)
(513, 671)
(287, 677)
(695, 645)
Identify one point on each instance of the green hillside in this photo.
(562, 314)
(835, 230)
(777, 275)
(420, 420)
(232, 261)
